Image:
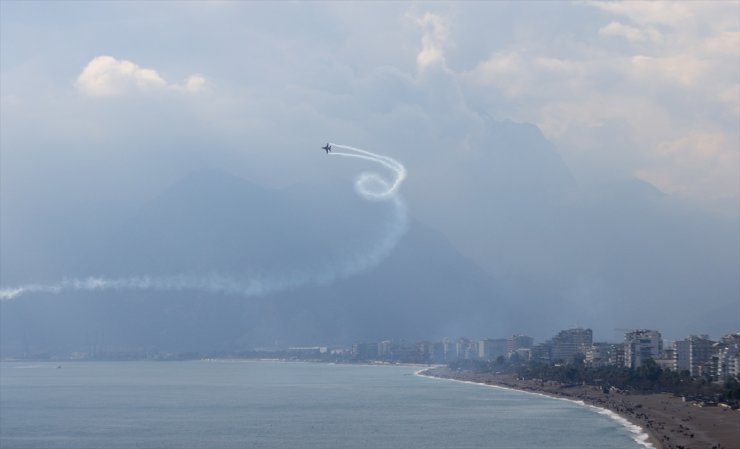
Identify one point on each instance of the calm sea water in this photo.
(271, 405)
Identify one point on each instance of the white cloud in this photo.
(505, 70)
(731, 97)
(727, 42)
(696, 163)
(106, 76)
(433, 40)
(648, 71)
(632, 34)
(624, 106)
(195, 83)
(649, 12)
(685, 69)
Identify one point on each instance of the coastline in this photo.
(659, 421)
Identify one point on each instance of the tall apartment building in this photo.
(681, 354)
(385, 348)
(701, 349)
(726, 357)
(667, 359)
(466, 349)
(566, 344)
(694, 354)
(491, 348)
(605, 354)
(450, 349)
(437, 352)
(365, 351)
(640, 345)
(516, 342)
(542, 352)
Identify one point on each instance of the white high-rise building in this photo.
(701, 349)
(694, 354)
(727, 353)
(566, 344)
(491, 348)
(640, 345)
(682, 355)
(516, 342)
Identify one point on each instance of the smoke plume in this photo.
(370, 186)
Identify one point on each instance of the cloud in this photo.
(433, 40)
(195, 83)
(685, 69)
(731, 97)
(727, 42)
(698, 161)
(647, 12)
(619, 107)
(632, 34)
(106, 76)
(649, 71)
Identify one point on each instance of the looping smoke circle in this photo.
(373, 187)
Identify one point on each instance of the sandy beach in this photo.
(670, 422)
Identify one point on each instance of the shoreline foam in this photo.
(639, 435)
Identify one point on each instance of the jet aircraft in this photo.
(327, 148)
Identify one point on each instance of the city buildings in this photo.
(681, 355)
(694, 354)
(492, 348)
(726, 357)
(365, 351)
(641, 345)
(605, 354)
(466, 349)
(564, 346)
(516, 343)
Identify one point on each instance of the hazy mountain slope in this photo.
(605, 254)
(212, 222)
(529, 251)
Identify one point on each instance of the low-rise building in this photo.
(667, 359)
(308, 352)
(542, 352)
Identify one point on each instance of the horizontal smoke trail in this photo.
(261, 285)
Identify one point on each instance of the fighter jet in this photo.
(327, 148)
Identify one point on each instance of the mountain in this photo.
(503, 239)
(562, 252)
(212, 222)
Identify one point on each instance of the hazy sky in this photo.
(640, 89)
(106, 104)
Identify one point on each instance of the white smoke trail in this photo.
(261, 285)
(389, 189)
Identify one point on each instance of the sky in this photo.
(648, 90)
(110, 103)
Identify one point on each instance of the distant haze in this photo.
(579, 170)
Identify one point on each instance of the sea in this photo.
(282, 405)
